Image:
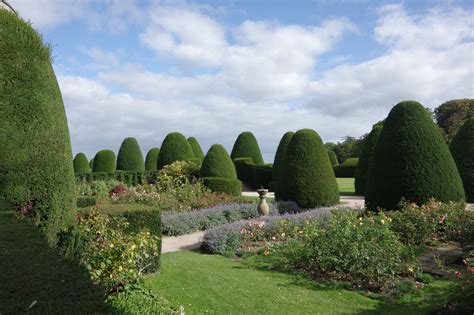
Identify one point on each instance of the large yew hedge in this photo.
(311, 180)
(130, 157)
(151, 159)
(462, 149)
(104, 161)
(411, 161)
(81, 165)
(364, 159)
(196, 148)
(246, 145)
(279, 176)
(36, 166)
(174, 148)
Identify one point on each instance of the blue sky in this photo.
(212, 69)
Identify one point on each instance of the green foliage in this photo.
(347, 148)
(347, 169)
(311, 180)
(86, 201)
(81, 165)
(262, 176)
(36, 166)
(246, 145)
(244, 168)
(231, 187)
(104, 161)
(138, 218)
(129, 178)
(217, 163)
(197, 151)
(333, 158)
(91, 164)
(280, 172)
(364, 160)
(151, 159)
(462, 149)
(130, 157)
(362, 250)
(174, 148)
(98, 188)
(411, 161)
(451, 115)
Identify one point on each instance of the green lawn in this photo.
(346, 186)
(33, 271)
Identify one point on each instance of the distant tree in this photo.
(451, 115)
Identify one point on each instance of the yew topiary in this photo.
(81, 165)
(280, 176)
(411, 161)
(36, 165)
(311, 180)
(332, 158)
(130, 157)
(196, 148)
(151, 159)
(174, 148)
(218, 172)
(364, 159)
(462, 149)
(104, 161)
(246, 145)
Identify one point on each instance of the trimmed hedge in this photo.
(129, 178)
(462, 149)
(151, 159)
(196, 148)
(364, 160)
(244, 169)
(333, 158)
(36, 165)
(262, 176)
(104, 161)
(411, 161)
(311, 180)
(218, 172)
(130, 157)
(280, 172)
(91, 164)
(246, 145)
(174, 148)
(347, 169)
(81, 165)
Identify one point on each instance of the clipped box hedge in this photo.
(346, 169)
(232, 187)
(252, 175)
(129, 178)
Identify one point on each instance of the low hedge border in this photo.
(129, 178)
(223, 185)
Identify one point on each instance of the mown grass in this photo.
(346, 186)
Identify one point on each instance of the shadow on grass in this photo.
(32, 271)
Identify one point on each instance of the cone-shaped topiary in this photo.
(152, 159)
(197, 150)
(279, 176)
(311, 180)
(174, 148)
(104, 161)
(411, 161)
(218, 172)
(91, 164)
(246, 145)
(462, 149)
(36, 166)
(81, 165)
(332, 158)
(130, 157)
(364, 159)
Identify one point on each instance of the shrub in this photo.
(36, 166)
(174, 148)
(411, 161)
(332, 158)
(130, 157)
(347, 169)
(218, 172)
(86, 201)
(91, 164)
(364, 160)
(129, 178)
(311, 180)
(244, 168)
(280, 175)
(462, 149)
(225, 240)
(246, 146)
(151, 159)
(104, 161)
(81, 165)
(94, 188)
(196, 148)
(262, 176)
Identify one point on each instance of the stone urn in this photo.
(263, 208)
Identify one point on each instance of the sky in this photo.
(212, 69)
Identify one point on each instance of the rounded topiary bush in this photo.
(462, 149)
(91, 164)
(411, 161)
(151, 159)
(81, 165)
(364, 160)
(36, 165)
(279, 172)
(104, 161)
(332, 158)
(218, 172)
(311, 180)
(196, 148)
(174, 148)
(130, 157)
(246, 145)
